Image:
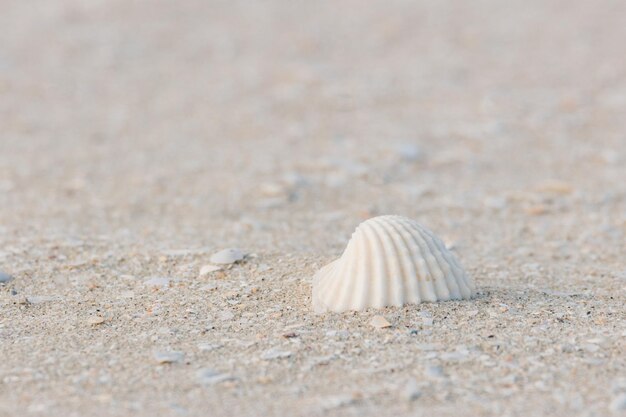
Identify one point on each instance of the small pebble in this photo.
(4, 277)
(619, 403)
(207, 269)
(555, 187)
(338, 401)
(207, 347)
(157, 282)
(379, 322)
(410, 152)
(227, 256)
(410, 391)
(169, 357)
(40, 299)
(536, 210)
(275, 354)
(207, 376)
(226, 315)
(427, 321)
(95, 320)
(434, 371)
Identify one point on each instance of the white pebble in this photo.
(227, 256)
(157, 282)
(41, 299)
(434, 371)
(226, 315)
(207, 347)
(619, 403)
(208, 376)
(169, 357)
(379, 322)
(4, 277)
(410, 391)
(275, 354)
(330, 403)
(207, 269)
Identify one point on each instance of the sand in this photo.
(139, 138)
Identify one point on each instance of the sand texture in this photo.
(139, 138)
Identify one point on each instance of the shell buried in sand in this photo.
(390, 261)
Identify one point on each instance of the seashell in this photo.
(390, 261)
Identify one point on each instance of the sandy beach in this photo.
(138, 138)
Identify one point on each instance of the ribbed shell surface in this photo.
(390, 261)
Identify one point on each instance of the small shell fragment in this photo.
(227, 256)
(207, 269)
(390, 261)
(555, 187)
(95, 320)
(169, 357)
(379, 322)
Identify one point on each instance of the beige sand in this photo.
(139, 137)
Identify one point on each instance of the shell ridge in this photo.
(463, 280)
(354, 271)
(335, 281)
(467, 280)
(407, 268)
(424, 281)
(440, 291)
(347, 277)
(378, 290)
(319, 284)
(361, 280)
(410, 275)
(395, 275)
(449, 279)
(438, 269)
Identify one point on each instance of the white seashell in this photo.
(390, 261)
(227, 256)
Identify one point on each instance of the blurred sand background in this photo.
(139, 137)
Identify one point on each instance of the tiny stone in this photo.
(226, 315)
(275, 354)
(208, 376)
(207, 347)
(555, 187)
(95, 320)
(379, 322)
(536, 210)
(227, 256)
(40, 299)
(169, 357)
(410, 152)
(619, 403)
(410, 392)
(207, 269)
(4, 277)
(472, 313)
(427, 321)
(434, 371)
(157, 282)
(331, 403)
